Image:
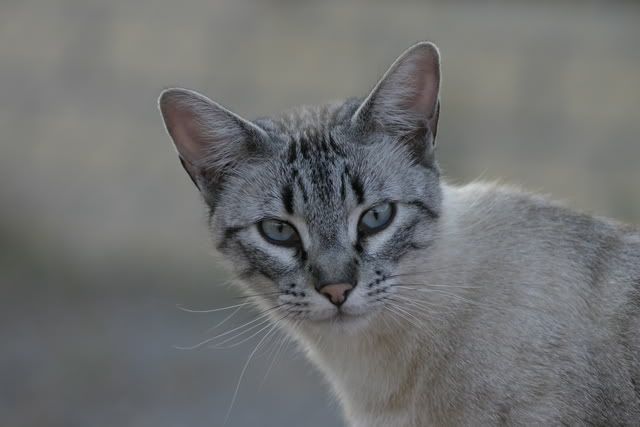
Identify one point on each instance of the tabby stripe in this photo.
(356, 185)
(261, 262)
(228, 234)
(304, 149)
(303, 190)
(336, 148)
(343, 190)
(293, 153)
(401, 243)
(301, 254)
(287, 199)
(426, 209)
(322, 143)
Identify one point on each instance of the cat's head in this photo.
(317, 209)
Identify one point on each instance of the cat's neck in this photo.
(372, 371)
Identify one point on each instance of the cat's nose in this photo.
(337, 293)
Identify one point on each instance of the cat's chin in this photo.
(343, 322)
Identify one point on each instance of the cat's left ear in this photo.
(405, 103)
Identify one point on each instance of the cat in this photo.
(422, 303)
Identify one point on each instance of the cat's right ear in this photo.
(209, 139)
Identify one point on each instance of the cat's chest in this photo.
(377, 386)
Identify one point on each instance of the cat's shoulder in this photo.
(495, 203)
(491, 199)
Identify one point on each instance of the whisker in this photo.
(402, 317)
(399, 306)
(398, 310)
(219, 345)
(278, 348)
(394, 308)
(258, 295)
(429, 285)
(223, 321)
(259, 317)
(419, 273)
(427, 305)
(213, 310)
(244, 369)
(394, 316)
(453, 295)
(269, 347)
(385, 319)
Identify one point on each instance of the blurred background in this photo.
(102, 234)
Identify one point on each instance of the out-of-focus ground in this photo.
(102, 234)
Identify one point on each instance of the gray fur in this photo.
(479, 305)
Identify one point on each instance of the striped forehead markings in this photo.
(303, 189)
(317, 153)
(293, 152)
(287, 198)
(356, 184)
(358, 189)
(319, 181)
(343, 187)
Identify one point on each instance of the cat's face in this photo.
(317, 209)
(337, 208)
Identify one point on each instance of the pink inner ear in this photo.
(423, 80)
(410, 88)
(186, 132)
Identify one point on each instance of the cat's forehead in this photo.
(315, 156)
(322, 169)
(323, 158)
(309, 121)
(316, 162)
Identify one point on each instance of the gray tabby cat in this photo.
(421, 302)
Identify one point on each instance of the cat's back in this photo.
(566, 281)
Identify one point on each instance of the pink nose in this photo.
(337, 293)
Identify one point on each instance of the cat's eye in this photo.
(278, 232)
(376, 219)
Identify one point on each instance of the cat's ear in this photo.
(210, 140)
(405, 103)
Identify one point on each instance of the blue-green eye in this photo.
(278, 232)
(376, 219)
